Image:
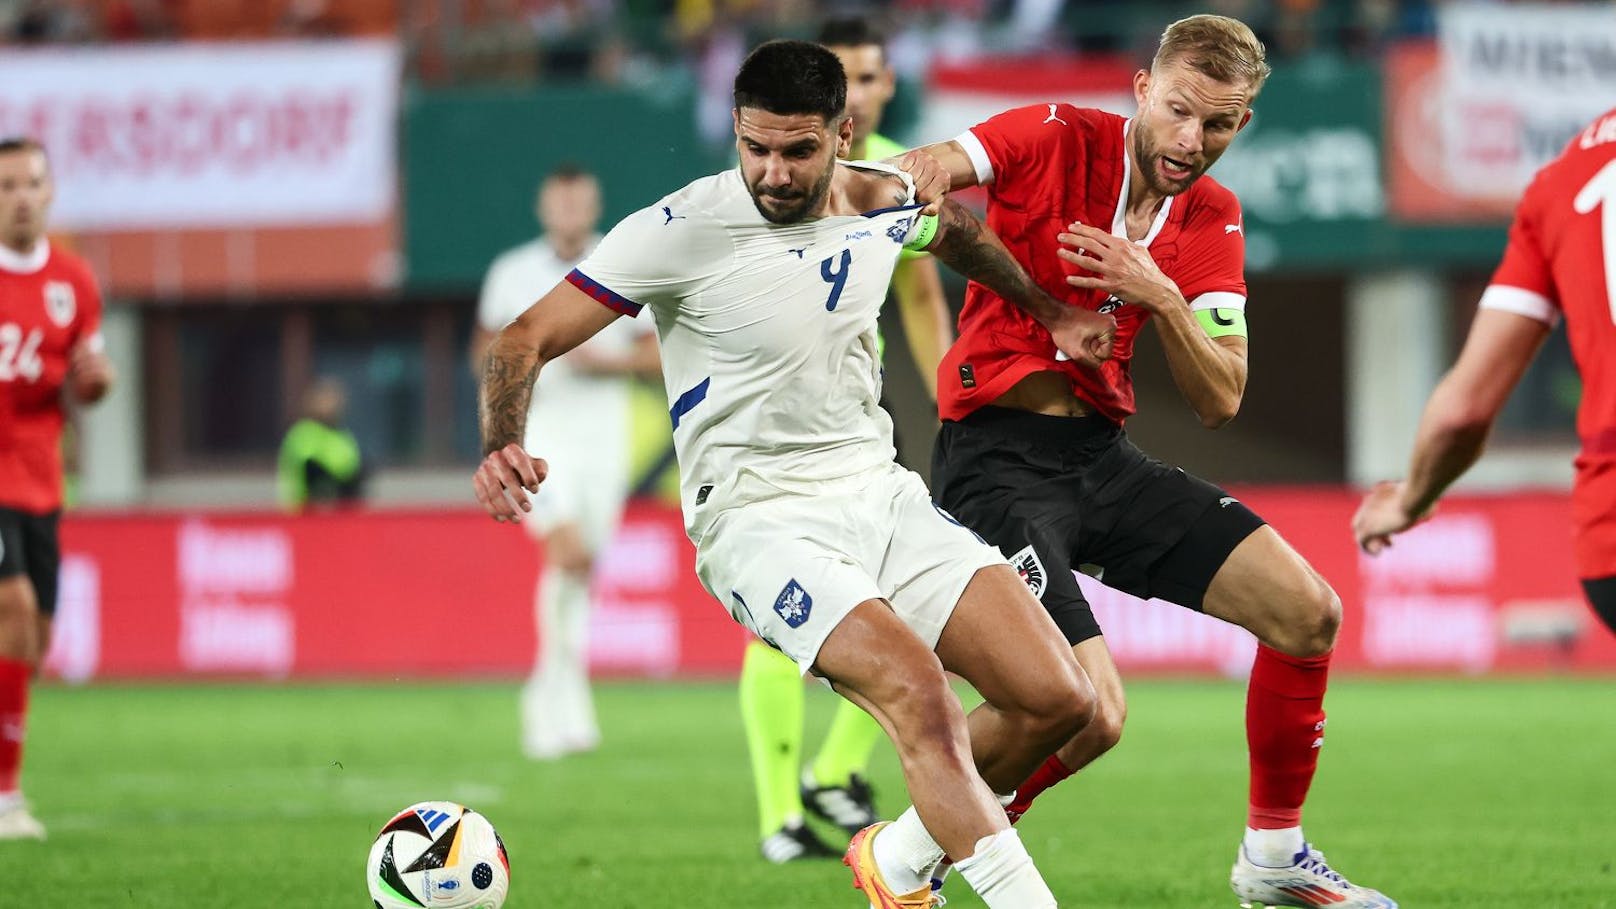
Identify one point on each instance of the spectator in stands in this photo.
(320, 462)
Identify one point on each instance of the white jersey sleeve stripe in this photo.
(1521, 302)
(602, 294)
(978, 153)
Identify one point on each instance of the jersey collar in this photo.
(1119, 220)
(25, 263)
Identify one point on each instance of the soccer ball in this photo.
(438, 855)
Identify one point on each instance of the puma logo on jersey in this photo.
(671, 216)
(799, 252)
(1054, 119)
(1233, 229)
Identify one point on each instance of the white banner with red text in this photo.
(211, 135)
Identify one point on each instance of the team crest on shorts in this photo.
(60, 303)
(794, 604)
(1027, 565)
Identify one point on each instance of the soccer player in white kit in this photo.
(574, 518)
(765, 283)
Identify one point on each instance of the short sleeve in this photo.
(494, 310)
(654, 257)
(88, 328)
(1000, 146)
(1523, 283)
(1215, 276)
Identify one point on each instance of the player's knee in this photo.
(1059, 711)
(1109, 717)
(1314, 625)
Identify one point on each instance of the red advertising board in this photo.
(1486, 585)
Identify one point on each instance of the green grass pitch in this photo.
(1451, 793)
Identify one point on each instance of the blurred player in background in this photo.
(320, 463)
(50, 350)
(1561, 261)
(834, 785)
(573, 518)
(1032, 453)
(766, 283)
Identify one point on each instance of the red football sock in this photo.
(1048, 774)
(14, 677)
(1284, 731)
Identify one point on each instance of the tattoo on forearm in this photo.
(967, 246)
(506, 391)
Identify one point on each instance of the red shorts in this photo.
(1593, 514)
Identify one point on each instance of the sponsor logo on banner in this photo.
(233, 589)
(211, 135)
(1500, 95)
(633, 622)
(1427, 599)
(75, 648)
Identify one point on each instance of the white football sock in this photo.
(906, 854)
(1002, 874)
(1273, 848)
(940, 871)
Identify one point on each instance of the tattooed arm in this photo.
(964, 244)
(560, 321)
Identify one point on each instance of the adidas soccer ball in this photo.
(438, 855)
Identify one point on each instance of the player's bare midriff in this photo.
(1048, 393)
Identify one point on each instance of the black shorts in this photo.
(1057, 493)
(1601, 593)
(28, 546)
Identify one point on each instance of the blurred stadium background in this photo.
(275, 191)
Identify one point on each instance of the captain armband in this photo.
(925, 231)
(1221, 322)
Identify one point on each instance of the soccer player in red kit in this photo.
(50, 317)
(1032, 454)
(1560, 261)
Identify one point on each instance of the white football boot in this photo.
(1307, 882)
(17, 822)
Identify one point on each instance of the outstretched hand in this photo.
(1382, 516)
(504, 480)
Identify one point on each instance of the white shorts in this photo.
(791, 566)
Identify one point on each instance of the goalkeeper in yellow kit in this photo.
(832, 785)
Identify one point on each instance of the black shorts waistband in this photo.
(1041, 427)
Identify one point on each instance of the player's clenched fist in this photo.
(505, 478)
(1085, 336)
(89, 372)
(931, 178)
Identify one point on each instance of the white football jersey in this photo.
(564, 396)
(768, 334)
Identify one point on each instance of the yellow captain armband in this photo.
(925, 231)
(1220, 322)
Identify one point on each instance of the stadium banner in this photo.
(1486, 585)
(1500, 94)
(211, 135)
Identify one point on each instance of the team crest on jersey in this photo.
(60, 304)
(1111, 304)
(1031, 569)
(794, 604)
(899, 229)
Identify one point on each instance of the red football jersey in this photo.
(1561, 259)
(1044, 167)
(48, 303)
